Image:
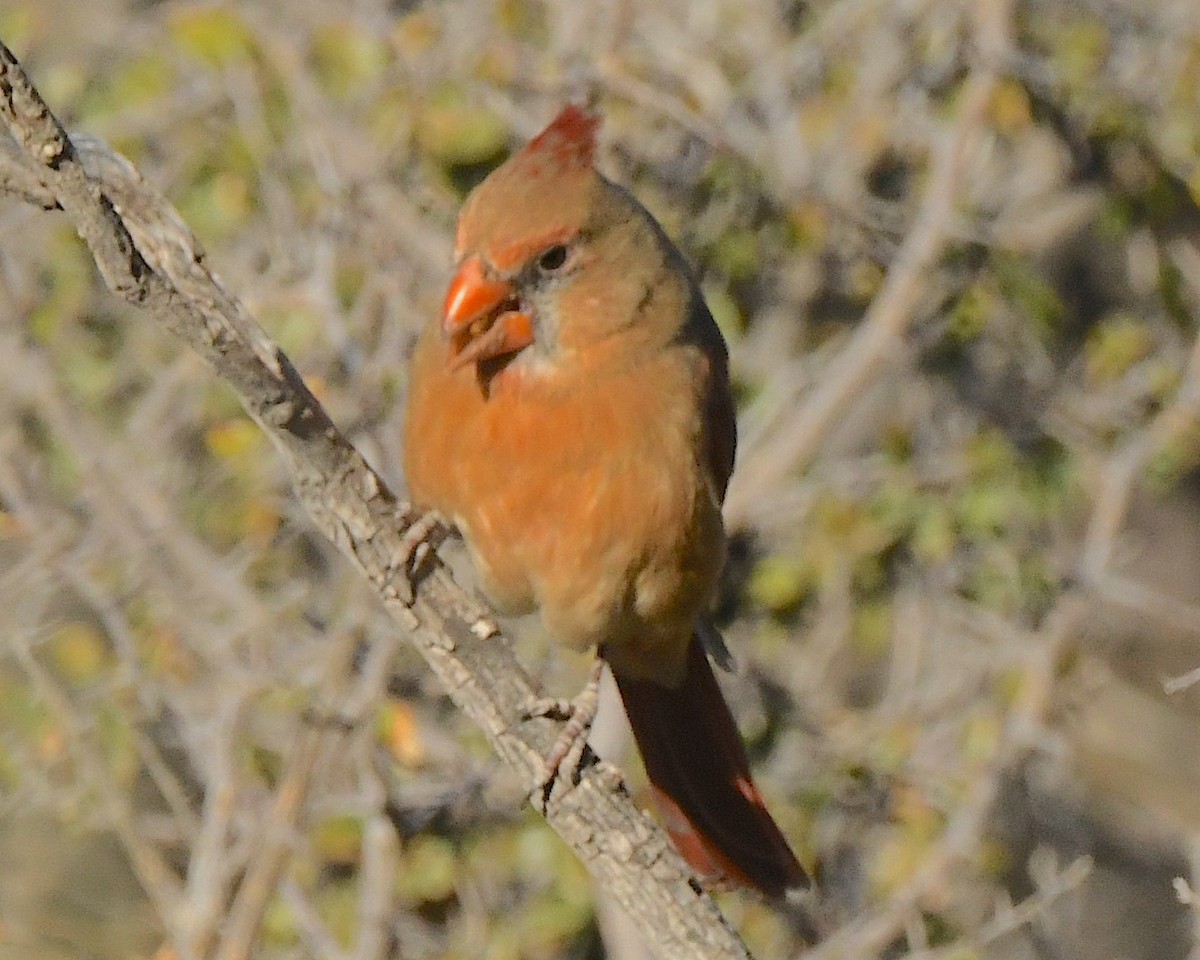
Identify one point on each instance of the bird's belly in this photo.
(593, 505)
(619, 551)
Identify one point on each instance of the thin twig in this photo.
(158, 880)
(211, 870)
(1013, 918)
(376, 904)
(313, 932)
(1121, 471)
(879, 339)
(240, 928)
(962, 833)
(1154, 605)
(1182, 682)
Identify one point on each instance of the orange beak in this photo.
(476, 320)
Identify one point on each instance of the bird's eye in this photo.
(553, 259)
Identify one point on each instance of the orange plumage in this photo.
(571, 414)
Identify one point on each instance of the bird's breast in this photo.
(582, 496)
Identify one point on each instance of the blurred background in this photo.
(953, 247)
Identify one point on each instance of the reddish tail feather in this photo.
(697, 766)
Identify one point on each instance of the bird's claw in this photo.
(568, 750)
(418, 543)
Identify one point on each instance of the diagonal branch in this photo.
(147, 255)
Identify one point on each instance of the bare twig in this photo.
(879, 339)
(123, 501)
(239, 931)
(381, 850)
(1152, 604)
(211, 872)
(159, 881)
(312, 929)
(962, 833)
(1121, 470)
(147, 256)
(1013, 918)
(1182, 682)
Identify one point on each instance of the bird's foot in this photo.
(567, 753)
(418, 543)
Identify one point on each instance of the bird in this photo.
(570, 412)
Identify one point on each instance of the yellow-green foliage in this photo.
(887, 592)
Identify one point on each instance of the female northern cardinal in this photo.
(571, 414)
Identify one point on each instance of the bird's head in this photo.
(519, 237)
(550, 256)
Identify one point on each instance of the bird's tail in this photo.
(697, 766)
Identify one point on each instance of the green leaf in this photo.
(216, 35)
(455, 132)
(1114, 346)
(347, 58)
